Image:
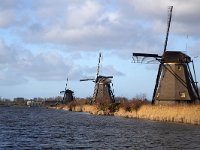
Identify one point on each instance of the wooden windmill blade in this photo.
(146, 58)
(98, 66)
(165, 47)
(168, 27)
(89, 79)
(193, 81)
(108, 76)
(65, 87)
(105, 76)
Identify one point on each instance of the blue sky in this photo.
(43, 42)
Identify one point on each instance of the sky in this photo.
(43, 42)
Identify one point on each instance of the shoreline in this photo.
(164, 113)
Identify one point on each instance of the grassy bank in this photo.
(179, 114)
(189, 114)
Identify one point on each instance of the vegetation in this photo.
(15, 102)
(137, 107)
(20, 101)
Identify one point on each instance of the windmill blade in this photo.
(98, 66)
(86, 79)
(99, 77)
(66, 82)
(145, 57)
(157, 82)
(62, 92)
(108, 76)
(168, 26)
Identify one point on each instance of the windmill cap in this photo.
(69, 91)
(175, 57)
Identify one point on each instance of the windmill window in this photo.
(158, 95)
(179, 67)
(182, 94)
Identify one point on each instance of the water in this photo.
(40, 128)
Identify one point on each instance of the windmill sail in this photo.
(168, 27)
(146, 58)
(86, 79)
(165, 47)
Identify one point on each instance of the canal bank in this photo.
(189, 114)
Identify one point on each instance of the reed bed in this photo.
(189, 114)
(128, 114)
(171, 113)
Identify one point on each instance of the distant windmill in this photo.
(68, 95)
(174, 82)
(102, 91)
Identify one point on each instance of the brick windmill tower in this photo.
(175, 82)
(102, 91)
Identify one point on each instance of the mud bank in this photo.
(178, 114)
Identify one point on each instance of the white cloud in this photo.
(83, 15)
(83, 25)
(75, 26)
(6, 18)
(43, 66)
(7, 13)
(10, 77)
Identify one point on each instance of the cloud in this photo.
(19, 65)
(92, 25)
(7, 13)
(10, 77)
(87, 26)
(8, 58)
(7, 55)
(108, 70)
(44, 66)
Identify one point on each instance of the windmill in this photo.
(102, 91)
(68, 95)
(174, 82)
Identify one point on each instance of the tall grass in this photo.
(171, 113)
(139, 108)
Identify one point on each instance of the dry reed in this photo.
(167, 113)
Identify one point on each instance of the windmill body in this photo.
(175, 82)
(68, 95)
(102, 91)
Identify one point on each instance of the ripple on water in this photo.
(40, 128)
